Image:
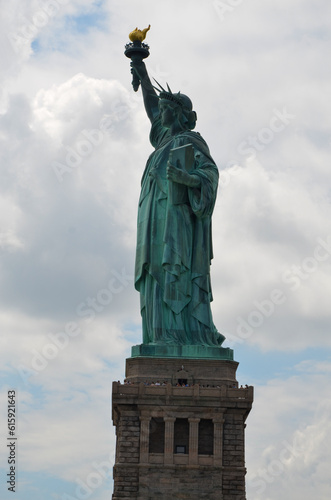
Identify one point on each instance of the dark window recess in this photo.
(182, 381)
(156, 435)
(206, 437)
(181, 435)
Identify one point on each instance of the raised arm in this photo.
(149, 95)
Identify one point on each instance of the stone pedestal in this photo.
(180, 430)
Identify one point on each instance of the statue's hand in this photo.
(181, 176)
(139, 68)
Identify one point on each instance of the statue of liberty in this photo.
(174, 240)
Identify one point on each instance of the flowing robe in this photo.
(174, 247)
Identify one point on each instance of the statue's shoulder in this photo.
(197, 139)
(202, 149)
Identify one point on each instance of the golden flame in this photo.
(139, 34)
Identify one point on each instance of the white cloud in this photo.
(288, 437)
(74, 218)
(268, 231)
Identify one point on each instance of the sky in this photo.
(74, 143)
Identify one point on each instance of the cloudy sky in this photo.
(74, 141)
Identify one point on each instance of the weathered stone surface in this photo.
(198, 371)
(141, 475)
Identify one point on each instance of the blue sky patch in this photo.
(77, 25)
(263, 366)
(84, 22)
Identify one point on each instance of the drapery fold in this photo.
(174, 247)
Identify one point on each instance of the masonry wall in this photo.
(140, 474)
(126, 472)
(185, 483)
(233, 485)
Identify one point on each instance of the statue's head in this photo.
(181, 106)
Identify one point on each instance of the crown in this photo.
(167, 94)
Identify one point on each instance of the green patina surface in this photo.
(185, 351)
(174, 241)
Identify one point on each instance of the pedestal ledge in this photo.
(181, 351)
(206, 372)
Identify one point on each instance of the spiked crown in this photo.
(188, 116)
(170, 96)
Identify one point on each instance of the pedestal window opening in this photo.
(181, 436)
(156, 435)
(206, 437)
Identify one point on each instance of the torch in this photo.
(137, 51)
